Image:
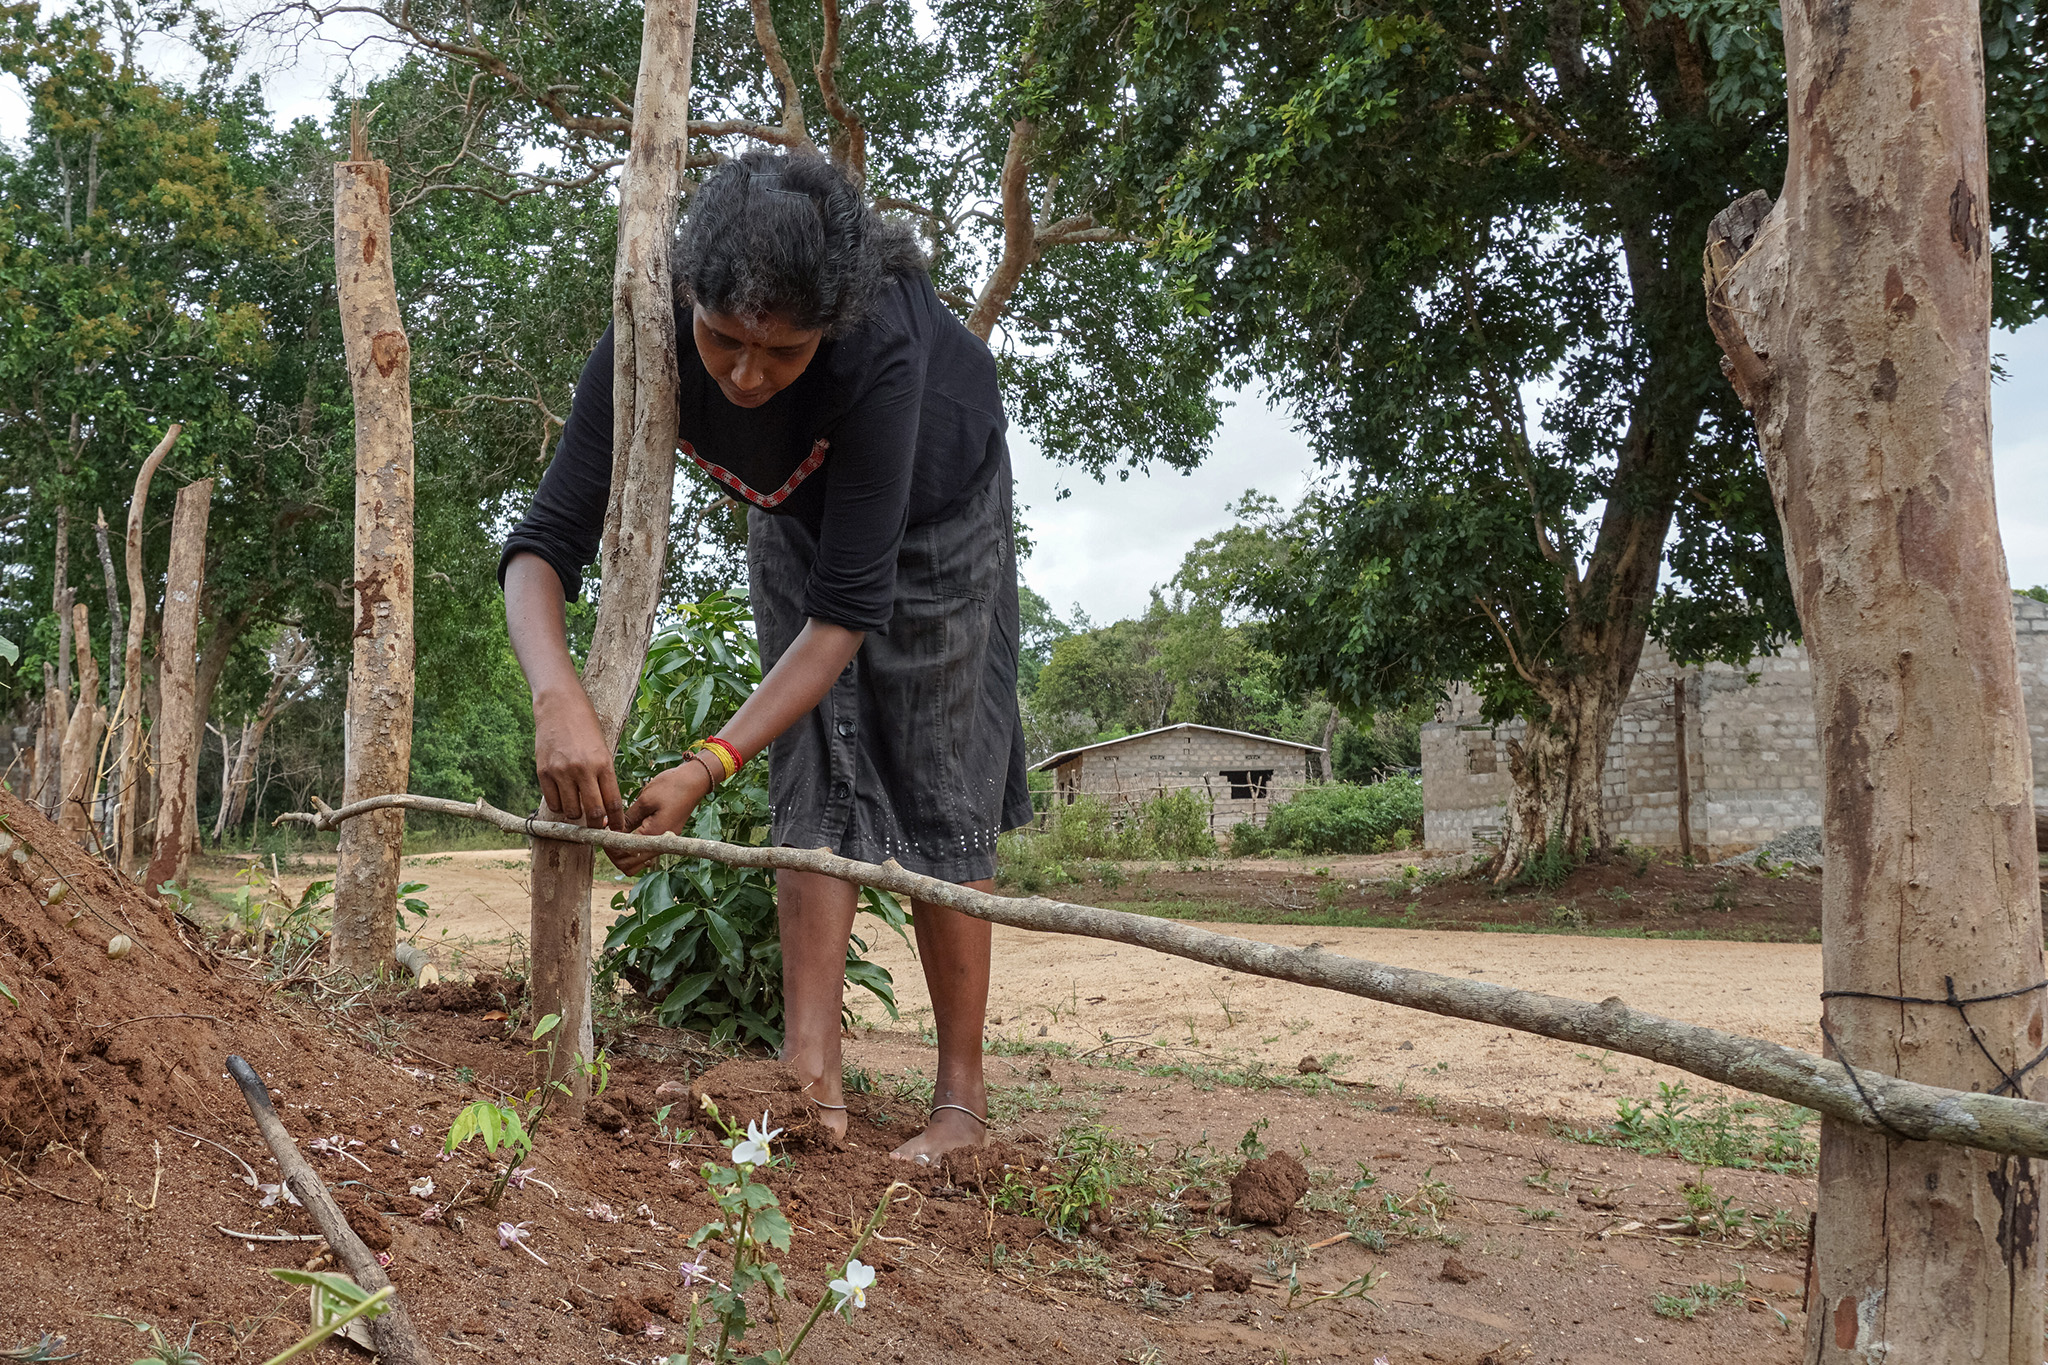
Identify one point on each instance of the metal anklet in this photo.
(836, 1108)
(963, 1109)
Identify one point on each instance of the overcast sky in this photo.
(1104, 546)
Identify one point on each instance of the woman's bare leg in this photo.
(955, 949)
(815, 915)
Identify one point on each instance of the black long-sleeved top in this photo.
(890, 426)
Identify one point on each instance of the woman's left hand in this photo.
(664, 806)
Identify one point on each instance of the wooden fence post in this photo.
(380, 681)
(82, 736)
(127, 788)
(177, 721)
(644, 379)
(1855, 316)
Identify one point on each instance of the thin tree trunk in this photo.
(47, 791)
(380, 684)
(128, 784)
(293, 654)
(61, 595)
(213, 662)
(99, 533)
(643, 479)
(177, 720)
(82, 737)
(1855, 315)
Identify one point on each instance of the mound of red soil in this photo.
(1265, 1190)
(96, 1040)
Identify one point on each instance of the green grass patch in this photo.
(1745, 1134)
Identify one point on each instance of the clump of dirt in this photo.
(765, 1092)
(489, 991)
(1230, 1277)
(1265, 1190)
(95, 1038)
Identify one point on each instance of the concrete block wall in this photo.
(1752, 749)
(1146, 765)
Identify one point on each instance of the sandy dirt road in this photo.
(1084, 991)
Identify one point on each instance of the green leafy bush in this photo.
(1341, 818)
(699, 939)
(1174, 827)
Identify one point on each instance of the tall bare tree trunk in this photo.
(105, 830)
(128, 784)
(82, 737)
(1855, 317)
(643, 482)
(380, 679)
(177, 720)
(61, 595)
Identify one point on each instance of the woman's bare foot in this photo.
(828, 1107)
(951, 1128)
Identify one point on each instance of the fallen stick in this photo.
(1868, 1099)
(397, 1343)
(270, 1236)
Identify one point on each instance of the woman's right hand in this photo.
(573, 761)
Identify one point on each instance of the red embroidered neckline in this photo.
(762, 500)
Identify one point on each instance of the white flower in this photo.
(694, 1272)
(753, 1149)
(515, 1235)
(601, 1213)
(416, 1130)
(520, 1175)
(422, 1187)
(853, 1289)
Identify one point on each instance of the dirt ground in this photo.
(1133, 1003)
(131, 1188)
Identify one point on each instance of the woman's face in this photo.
(753, 359)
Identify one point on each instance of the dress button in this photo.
(840, 791)
(845, 728)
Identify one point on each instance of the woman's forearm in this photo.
(535, 619)
(797, 683)
(570, 755)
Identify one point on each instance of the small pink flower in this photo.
(515, 1235)
(675, 1163)
(384, 1259)
(601, 1213)
(431, 1213)
(694, 1272)
(656, 1330)
(517, 1180)
(416, 1130)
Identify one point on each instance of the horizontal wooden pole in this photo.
(1926, 1113)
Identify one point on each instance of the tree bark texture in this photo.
(82, 737)
(1855, 317)
(177, 718)
(1929, 1113)
(127, 789)
(47, 791)
(643, 489)
(380, 684)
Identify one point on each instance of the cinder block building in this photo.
(1241, 774)
(1748, 767)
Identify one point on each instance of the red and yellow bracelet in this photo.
(729, 759)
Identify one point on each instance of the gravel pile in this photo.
(1799, 847)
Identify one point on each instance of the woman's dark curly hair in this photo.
(788, 236)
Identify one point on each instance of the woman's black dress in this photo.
(879, 492)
